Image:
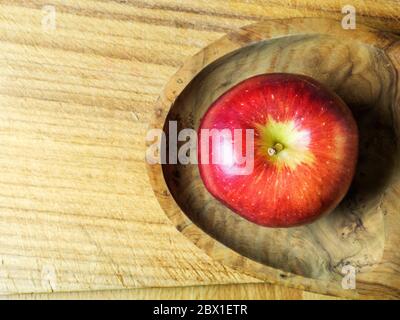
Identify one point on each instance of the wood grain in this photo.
(243, 291)
(76, 208)
(213, 292)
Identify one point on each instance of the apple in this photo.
(305, 149)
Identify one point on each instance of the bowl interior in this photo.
(364, 78)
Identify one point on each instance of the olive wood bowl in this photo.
(363, 232)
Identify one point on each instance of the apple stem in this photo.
(275, 149)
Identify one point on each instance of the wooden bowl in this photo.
(361, 66)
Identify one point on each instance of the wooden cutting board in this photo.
(76, 208)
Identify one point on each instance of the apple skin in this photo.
(313, 172)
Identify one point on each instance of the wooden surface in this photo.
(259, 291)
(76, 208)
(360, 68)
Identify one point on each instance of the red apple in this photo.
(305, 149)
